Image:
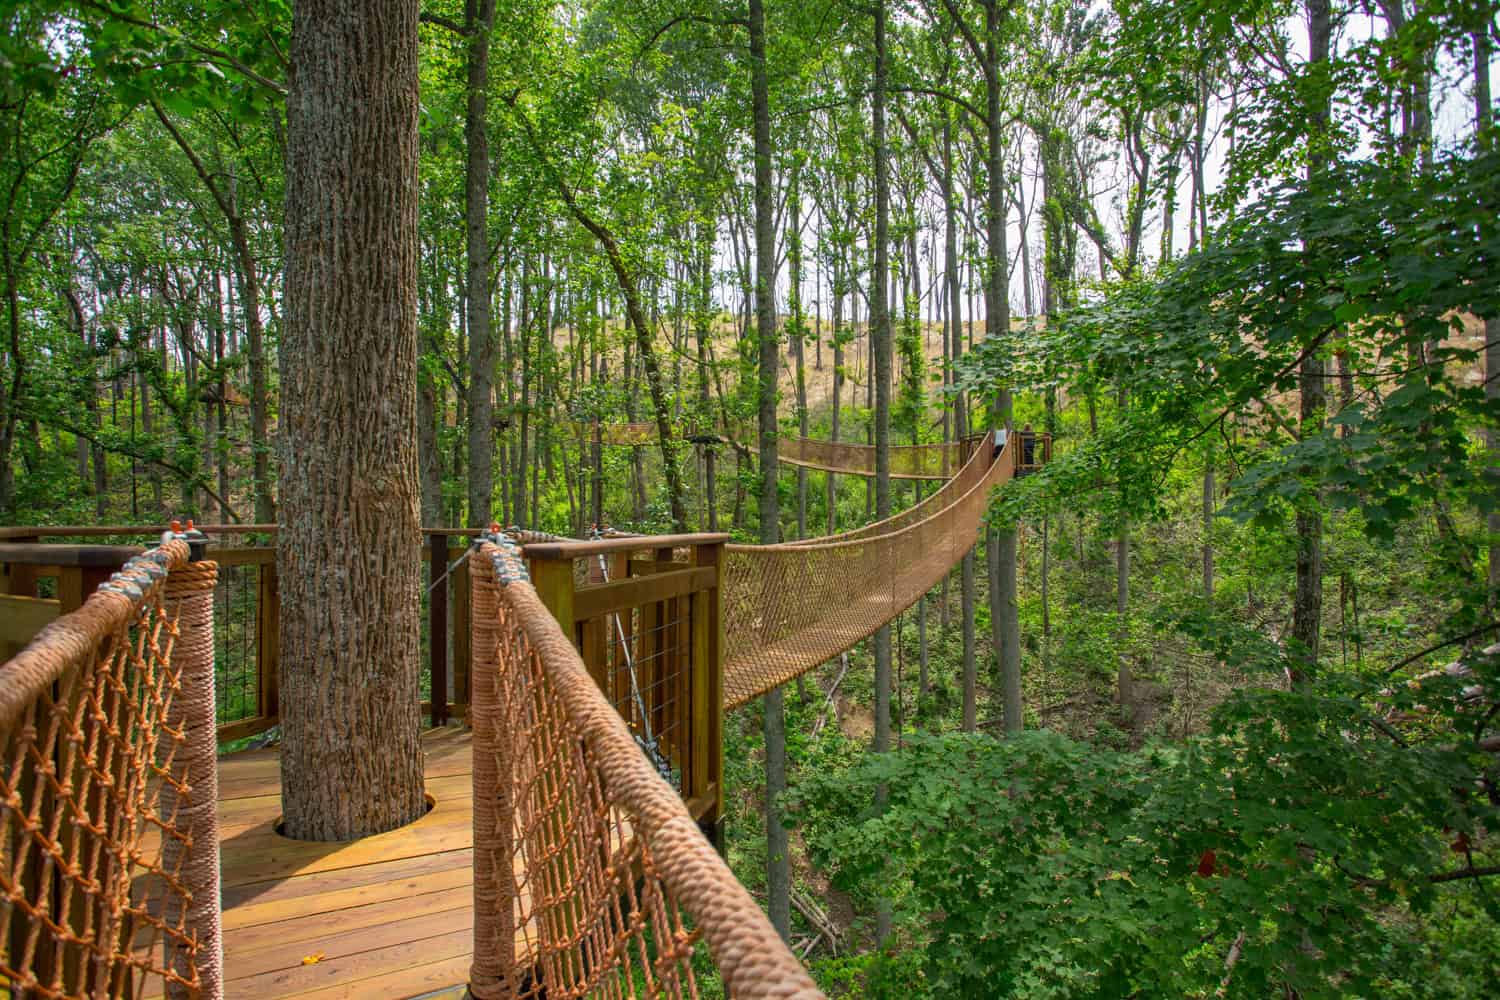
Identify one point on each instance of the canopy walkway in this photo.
(590, 874)
(790, 607)
(911, 461)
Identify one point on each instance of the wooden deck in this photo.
(386, 916)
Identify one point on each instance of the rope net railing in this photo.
(590, 876)
(637, 433)
(968, 476)
(912, 461)
(790, 607)
(109, 851)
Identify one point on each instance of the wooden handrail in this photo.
(80, 568)
(31, 532)
(94, 556)
(34, 531)
(680, 615)
(628, 543)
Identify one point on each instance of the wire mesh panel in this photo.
(108, 837)
(590, 876)
(641, 432)
(647, 664)
(236, 641)
(788, 608)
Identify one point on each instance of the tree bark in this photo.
(350, 545)
(1483, 123)
(778, 859)
(479, 17)
(1307, 603)
(880, 348)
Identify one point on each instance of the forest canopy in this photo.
(1213, 709)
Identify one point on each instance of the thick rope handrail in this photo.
(972, 472)
(109, 880)
(582, 852)
(908, 461)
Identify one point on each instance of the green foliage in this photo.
(1041, 867)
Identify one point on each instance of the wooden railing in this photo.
(1034, 452)
(48, 571)
(646, 615)
(644, 611)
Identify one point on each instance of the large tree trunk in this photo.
(350, 545)
(778, 860)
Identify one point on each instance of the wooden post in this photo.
(437, 627)
(21, 579)
(462, 648)
(267, 642)
(619, 691)
(553, 580)
(708, 693)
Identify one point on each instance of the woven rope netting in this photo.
(789, 608)
(642, 432)
(590, 876)
(109, 865)
(914, 461)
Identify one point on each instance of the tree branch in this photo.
(443, 22)
(193, 159)
(203, 50)
(941, 95)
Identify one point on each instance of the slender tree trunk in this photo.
(967, 582)
(1004, 608)
(1208, 523)
(880, 347)
(479, 17)
(1307, 604)
(221, 448)
(778, 859)
(246, 277)
(1126, 679)
(1483, 123)
(798, 334)
(350, 546)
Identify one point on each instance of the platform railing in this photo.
(109, 885)
(46, 572)
(645, 613)
(590, 876)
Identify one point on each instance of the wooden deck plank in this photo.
(426, 916)
(415, 980)
(352, 970)
(245, 902)
(392, 915)
(280, 920)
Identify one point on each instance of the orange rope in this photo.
(109, 870)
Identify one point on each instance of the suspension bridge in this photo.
(559, 859)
